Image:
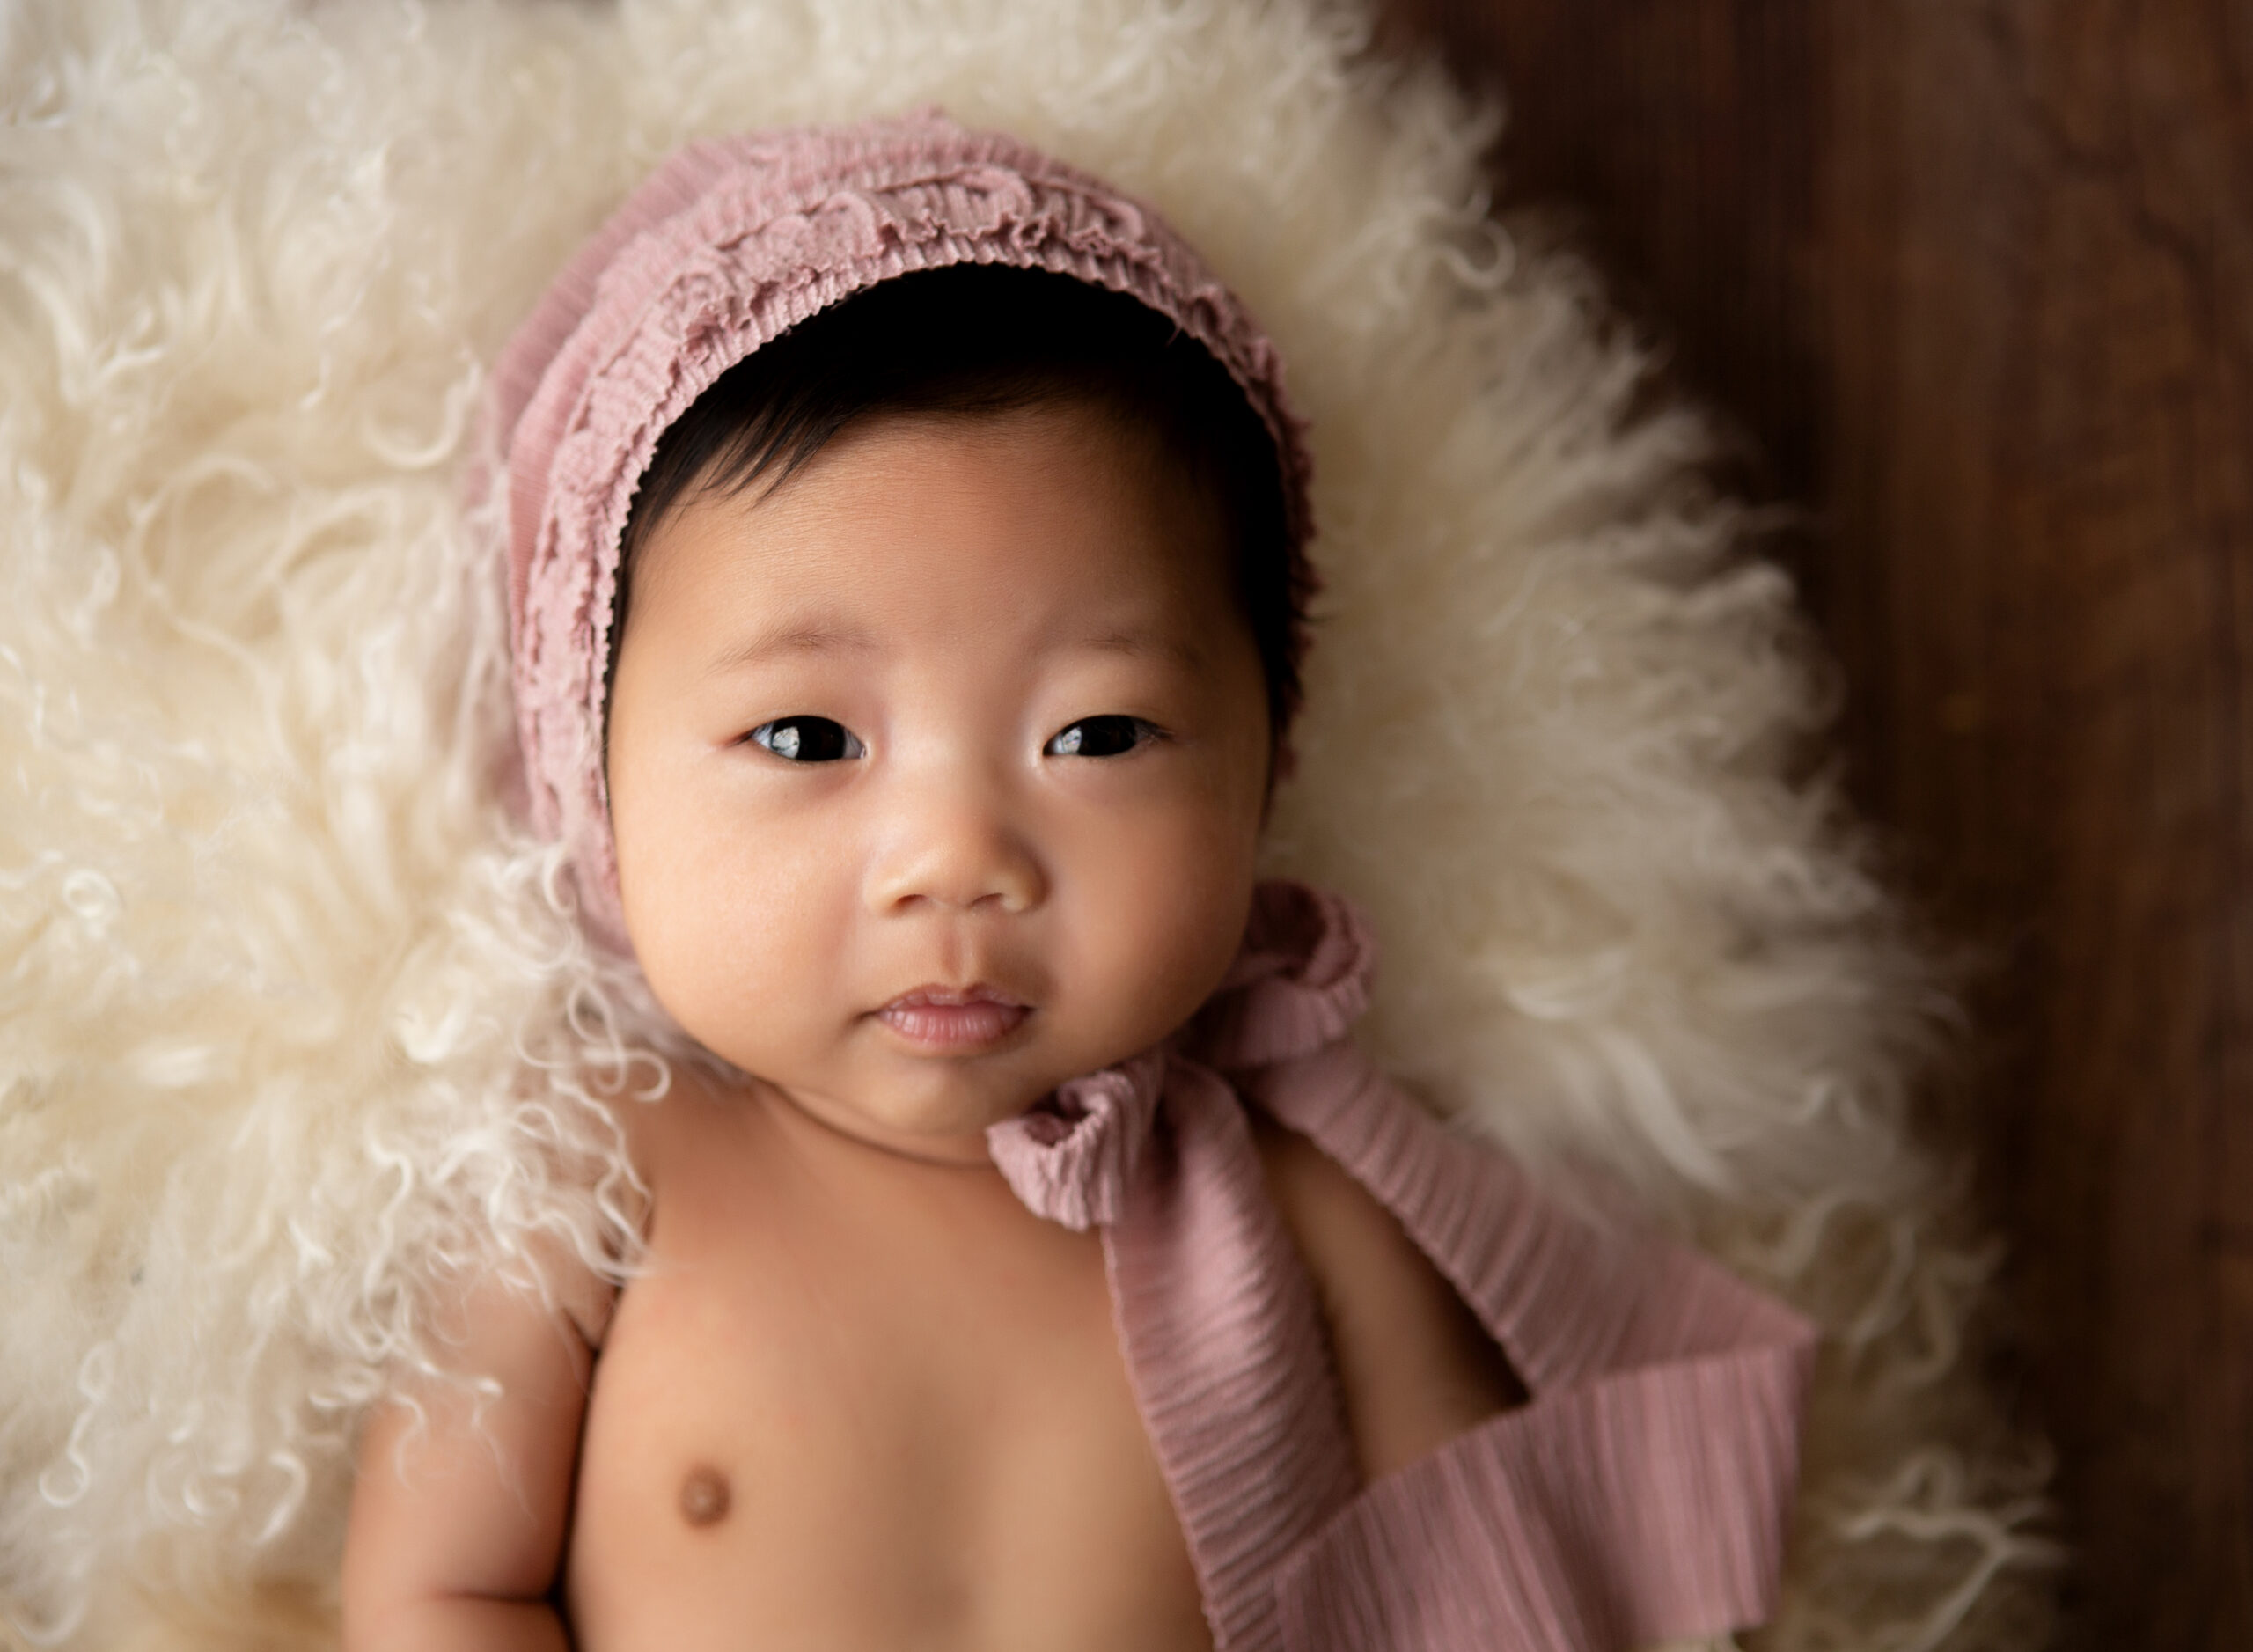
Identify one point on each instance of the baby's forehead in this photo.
(1064, 501)
(1057, 443)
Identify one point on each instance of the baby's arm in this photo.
(1414, 1367)
(458, 1521)
(1640, 1493)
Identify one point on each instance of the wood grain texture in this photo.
(1977, 279)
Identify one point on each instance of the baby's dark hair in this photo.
(987, 339)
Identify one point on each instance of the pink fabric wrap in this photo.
(1642, 1493)
(725, 246)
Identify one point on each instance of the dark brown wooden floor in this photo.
(1977, 279)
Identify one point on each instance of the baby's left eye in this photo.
(808, 739)
(1108, 736)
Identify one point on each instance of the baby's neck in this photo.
(819, 1130)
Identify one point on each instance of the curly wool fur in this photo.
(294, 1028)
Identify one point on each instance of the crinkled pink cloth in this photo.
(726, 246)
(1642, 1493)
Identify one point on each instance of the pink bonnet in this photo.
(723, 247)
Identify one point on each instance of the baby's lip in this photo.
(954, 1020)
(936, 993)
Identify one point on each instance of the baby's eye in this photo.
(1109, 736)
(808, 739)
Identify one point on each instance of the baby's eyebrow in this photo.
(813, 637)
(1140, 643)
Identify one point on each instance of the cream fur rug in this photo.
(288, 1020)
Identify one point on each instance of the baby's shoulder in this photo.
(661, 1133)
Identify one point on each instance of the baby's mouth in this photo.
(954, 1019)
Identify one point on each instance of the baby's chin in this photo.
(945, 1128)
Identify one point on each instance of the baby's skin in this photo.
(937, 773)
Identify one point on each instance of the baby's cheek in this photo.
(706, 926)
(1174, 922)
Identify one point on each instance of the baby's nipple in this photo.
(704, 1496)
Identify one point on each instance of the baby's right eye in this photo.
(808, 739)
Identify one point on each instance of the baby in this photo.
(907, 579)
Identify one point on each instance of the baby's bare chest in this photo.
(866, 1404)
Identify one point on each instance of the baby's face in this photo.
(937, 774)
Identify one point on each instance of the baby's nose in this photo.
(961, 854)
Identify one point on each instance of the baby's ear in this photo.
(1282, 763)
